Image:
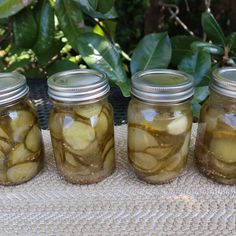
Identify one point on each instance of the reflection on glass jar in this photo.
(21, 146)
(81, 126)
(159, 124)
(215, 150)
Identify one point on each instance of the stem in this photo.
(175, 16)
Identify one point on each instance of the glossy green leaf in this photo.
(197, 64)
(105, 6)
(46, 32)
(61, 65)
(24, 28)
(212, 28)
(153, 51)
(94, 3)
(200, 95)
(70, 19)
(181, 46)
(87, 8)
(100, 54)
(231, 40)
(207, 47)
(11, 7)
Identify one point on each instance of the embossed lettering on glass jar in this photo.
(159, 124)
(21, 146)
(81, 126)
(215, 150)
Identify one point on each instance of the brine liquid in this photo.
(158, 140)
(215, 150)
(21, 146)
(83, 142)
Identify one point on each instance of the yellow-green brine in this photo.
(81, 126)
(21, 145)
(159, 124)
(215, 150)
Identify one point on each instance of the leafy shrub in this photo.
(44, 37)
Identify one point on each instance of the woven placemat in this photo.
(120, 205)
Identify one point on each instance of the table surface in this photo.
(119, 205)
(38, 93)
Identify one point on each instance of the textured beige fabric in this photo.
(120, 205)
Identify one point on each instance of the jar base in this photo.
(215, 178)
(86, 180)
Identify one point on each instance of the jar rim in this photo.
(78, 85)
(224, 81)
(162, 85)
(13, 87)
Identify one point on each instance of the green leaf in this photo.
(46, 32)
(200, 95)
(59, 66)
(105, 6)
(100, 54)
(181, 46)
(71, 20)
(212, 28)
(231, 40)
(24, 28)
(89, 10)
(94, 3)
(207, 47)
(153, 51)
(197, 64)
(11, 7)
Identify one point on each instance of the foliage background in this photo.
(39, 38)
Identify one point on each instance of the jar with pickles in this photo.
(81, 126)
(159, 124)
(21, 146)
(215, 151)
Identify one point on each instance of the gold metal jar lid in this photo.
(162, 85)
(224, 81)
(77, 85)
(12, 87)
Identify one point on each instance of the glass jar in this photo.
(215, 150)
(81, 126)
(159, 124)
(21, 146)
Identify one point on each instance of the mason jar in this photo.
(159, 124)
(21, 146)
(81, 125)
(215, 150)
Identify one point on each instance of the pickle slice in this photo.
(58, 151)
(89, 111)
(2, 160)
(101, 126)
(176, 162)
(158, 152)
(55, 124)
(185, 148)
(162, 177)
(144, 161)
(33, 139)
(22, 172)
(70, 159)
(5, 146)
(178, 126)
(108, 146)
(3, 134)
(211, 120)
(140, 139)
(78, 135)
(19, 154)
(21, 118)
(228, 170)
(224, 149)
(109, 162)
